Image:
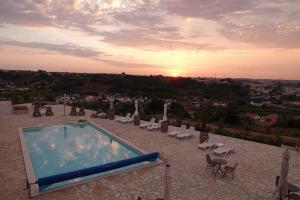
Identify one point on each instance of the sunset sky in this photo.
(229, 38)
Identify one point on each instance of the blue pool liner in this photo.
(45, 182)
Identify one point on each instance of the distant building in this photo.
(288, 91)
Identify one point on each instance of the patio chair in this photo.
(188, 133)
(146, 124)
(229, 170)
(81, 111)
(49, 111)
(291, 191)
(154, 126)
(224, 150)
(208, 144)
(210, 164)
(294, 196)
(119, 119)
(177, 132)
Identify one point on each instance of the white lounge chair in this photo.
(128, 120)
(177, 132)
(225, 150)
(207, 145)
(154, 126)
(119, 119)
(188, 133)
(146, 124)
(101, 115)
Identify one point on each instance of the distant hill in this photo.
(152, 86)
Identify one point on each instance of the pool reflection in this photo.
(63, 148)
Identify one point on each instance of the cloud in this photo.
(141, 39)
(23, 12)
(275, 24)
(205, 9)
(73, 50)
(265, 23)
(268, 35)
(148, 23)
(68, 49)
(116, 63)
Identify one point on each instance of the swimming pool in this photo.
(57, 149)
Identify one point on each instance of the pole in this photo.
(165, 112)
(167, 182)
(64, 104)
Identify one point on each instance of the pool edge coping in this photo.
(138, 168)
(31, 179)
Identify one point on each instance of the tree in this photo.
(177, 111)
(124, 107)
(155, 106)
(232, 115)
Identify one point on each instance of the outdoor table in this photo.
(219, 163)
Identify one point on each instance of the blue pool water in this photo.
(58, 149)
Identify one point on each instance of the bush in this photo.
(123, 108)
(93, 105)
(177, 111)
(156, 106)
(232, 115)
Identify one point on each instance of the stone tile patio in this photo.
(255, 175)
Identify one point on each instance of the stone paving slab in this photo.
(258, 164)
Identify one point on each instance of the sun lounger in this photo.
(188, 133)
(207, 145)
(177, 132)
(225, 150)
(146, 124)
(127, 120)
(154, 126)
(119, 119)
(101, 115)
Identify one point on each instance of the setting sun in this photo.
(175, 72)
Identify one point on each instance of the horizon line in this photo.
(180, 76)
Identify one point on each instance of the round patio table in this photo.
(219, 163)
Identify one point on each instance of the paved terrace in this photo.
(258, 166)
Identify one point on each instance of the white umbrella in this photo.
(136, 112)
(165, 112)
(111, 103)
(64, 104)
(282, 187)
